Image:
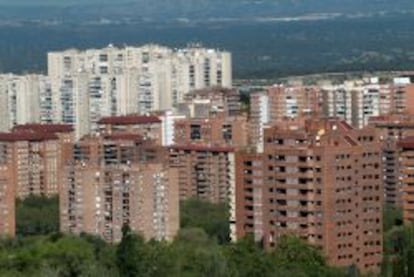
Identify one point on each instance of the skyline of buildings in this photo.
(123, 135)
(129, 80)
(82, 86)
(355, 101)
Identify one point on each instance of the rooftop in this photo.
(46, 128)
(27, 136)
(200, 147)
(213, 91)
(124, 136)
(130, 120)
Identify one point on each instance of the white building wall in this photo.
(263, 120)
(4, 104)
(110, 81)
(168, 127)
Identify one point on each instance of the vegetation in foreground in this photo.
(201, 248)
(37, 215)
(193, 253)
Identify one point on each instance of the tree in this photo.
(37, 215)
(130, 254)
(399, 251)
(294, 255)
(192, 254)
(70, 256)
(291, 249)
(392, 217)
(197, 255)
(212, 218)
(63, 256)
(105, 255)
(246, 259)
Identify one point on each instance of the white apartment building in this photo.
(119, 81)
(357, 101)
(167, 124)
(24, 99)
(260, 117)
(354, 101)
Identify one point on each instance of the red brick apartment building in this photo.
(392, 129)
(116, 179)
(320, 180)
(205, 172)
(205, 143)
(406, 177)
(217, 130)
(31, 159)
(35, 154)
(293, 101)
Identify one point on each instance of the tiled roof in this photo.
(200, 147)
(130, 120)
(124, 136)
(52, 128)
(27, 136)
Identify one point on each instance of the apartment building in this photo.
(208, 101)
(258, 119)
(168, 119)
(357, 101)
(293, 101)
(24, 99)
(320, 180)
(118, 179)
(87, 85)
(354, 101)
(204, 172)
(279, 103)
(402, 99)
(392, 129)
(7, 191)
(214, 130)
(406, 177)
(36, 156)
(159, 126)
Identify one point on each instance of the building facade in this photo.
(36, 155)
(392, 129)
(209, 101)
(321, 181)
(204, 172)
(353, 101)
(217, 130)
(406, 177)
(116, 180)
(24, 99)
(87, 85)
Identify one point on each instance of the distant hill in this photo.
(260, 49)
(190, 9)
(268, 38)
